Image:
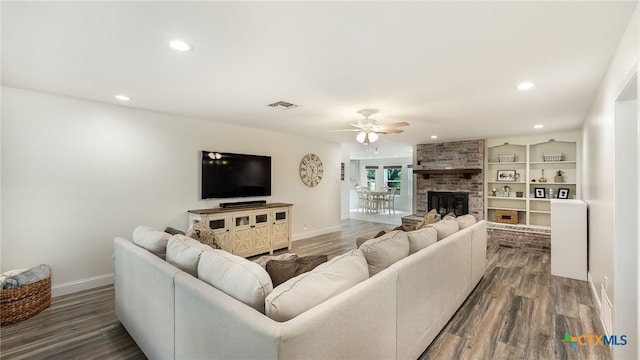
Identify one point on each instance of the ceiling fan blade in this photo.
(389, 131)
(359, 126)
(396, 124)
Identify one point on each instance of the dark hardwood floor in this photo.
(517, 311)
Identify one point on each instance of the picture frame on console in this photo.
(540, 193)
(506, 175)
(563, 193)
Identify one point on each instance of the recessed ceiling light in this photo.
(539, 126)
(180, 45)
(434, 136)
(525, 85)
(123, 97)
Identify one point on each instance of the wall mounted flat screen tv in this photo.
(228, 175)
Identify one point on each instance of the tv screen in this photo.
(227, 175)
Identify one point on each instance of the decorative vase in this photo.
(558, 179)
(542, 179)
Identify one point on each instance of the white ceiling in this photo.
(447, 68)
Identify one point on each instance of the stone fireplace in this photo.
(451, 167)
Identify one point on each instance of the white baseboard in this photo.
(82, 284)
(308, 234)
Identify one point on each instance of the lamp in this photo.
(366, 138)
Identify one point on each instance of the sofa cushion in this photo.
(238, 277)
(151, 239)
(184, 253)
(421, 238)
(445, 228)
(385, 250)
(449, 216)
(465, 221)
(283, 270)
(301, 293)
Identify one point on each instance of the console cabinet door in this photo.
(220, 224)
(261, 234)
(280, 231)
(242, 233)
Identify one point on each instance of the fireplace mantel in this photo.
(465, 172)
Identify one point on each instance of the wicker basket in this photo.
(25, 301)
(552, 157)
(507, 158)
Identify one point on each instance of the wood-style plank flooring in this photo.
(517, 311)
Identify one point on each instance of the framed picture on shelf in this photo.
(563, 193)
(506, 175)
(540, 193)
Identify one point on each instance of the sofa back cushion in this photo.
(184, 253)
(301, 293)
(385, 250)
(238, 277)
(151, 239)
(465, 221)
(445, 228)
(421, 238)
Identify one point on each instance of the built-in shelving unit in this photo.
(520, 167)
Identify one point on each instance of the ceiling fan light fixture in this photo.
(373, 137)
(361, 137)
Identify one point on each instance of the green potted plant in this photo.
(559, 178)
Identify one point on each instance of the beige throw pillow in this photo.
(301, 293)
(203, 234)
(238, 277)
(383, 251)
(431, 217)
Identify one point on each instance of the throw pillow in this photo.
(263, 260)
(184, 253)
(383, 251)
(283, 270)
(449, 216)
(151, 239)
(401, 228)
(173, 231)
(380, 233)
(203, 233)
(465, 221)
(431, 217)
(236, 276)
(421, 238)
(445, 228)
(301, 293)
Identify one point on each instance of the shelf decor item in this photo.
(506, 175)
(540, 193)
(507, 158)
(559, 178)
(552, 157)
(507, 216)
(542, 178)
(563, 193)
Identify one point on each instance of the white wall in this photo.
(598, 174)
(75, 174)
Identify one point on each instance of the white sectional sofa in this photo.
(394, 314)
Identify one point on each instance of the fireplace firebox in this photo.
(446, 202)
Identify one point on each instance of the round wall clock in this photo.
(311, 170)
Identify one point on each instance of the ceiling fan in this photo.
(369, 129)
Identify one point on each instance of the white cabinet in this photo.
(569, 239)
(251, 230)
(520, 167)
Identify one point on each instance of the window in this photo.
(371, 177)
(393, 177)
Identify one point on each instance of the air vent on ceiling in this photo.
(283, 105)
